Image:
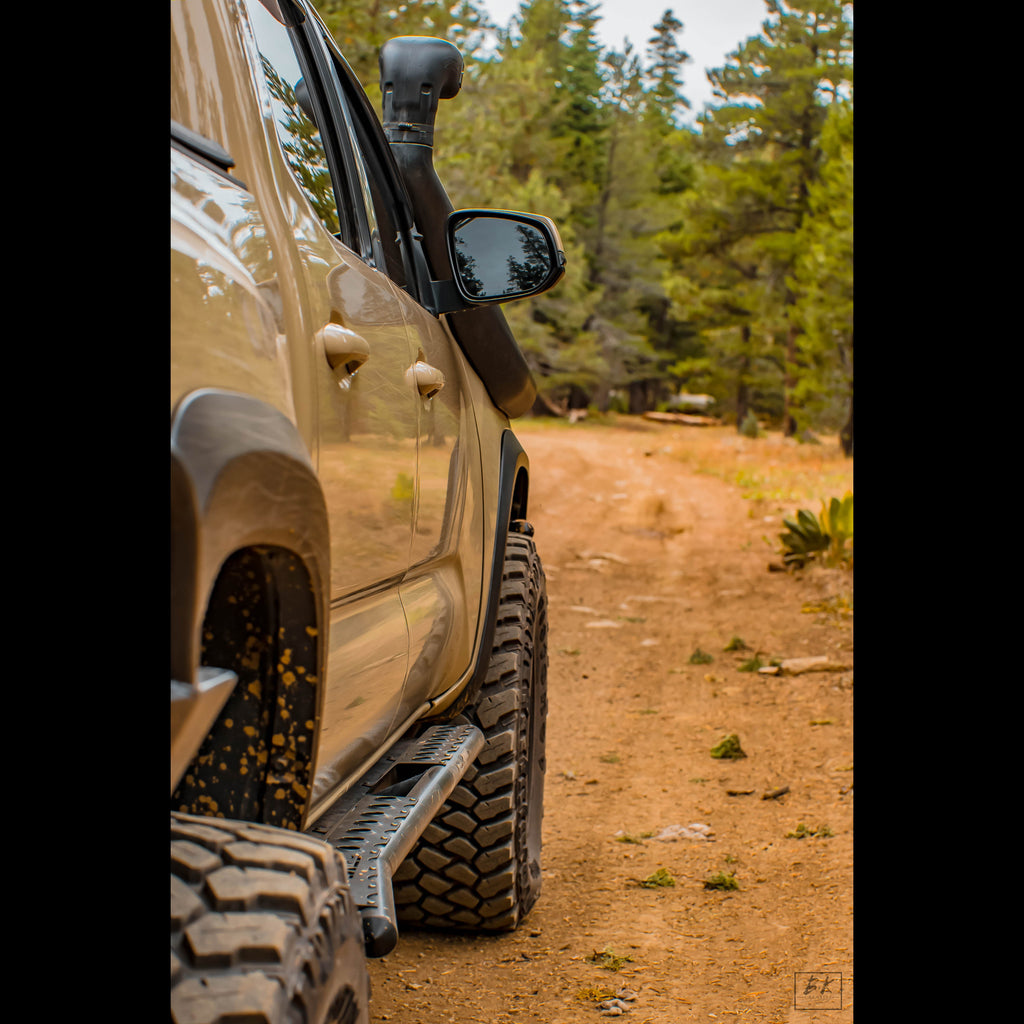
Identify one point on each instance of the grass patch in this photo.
(722, 881)
(839, 606)
(595, 994)
(700, 657)
(630, 837)
(728, 748)
(607, 959)
(803, 832)
(609, 759)
(661, 879)
(786, 474)
(753, 664)
(736, 644)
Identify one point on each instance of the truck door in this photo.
(442, 590)
(356, 353)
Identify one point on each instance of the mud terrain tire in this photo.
(477, 865)
(263, 927)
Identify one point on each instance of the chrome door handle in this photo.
(429, 379)
(346, 351)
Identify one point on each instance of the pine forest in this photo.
(709, 252)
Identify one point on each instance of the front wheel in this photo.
(263, 927)
(477, 865)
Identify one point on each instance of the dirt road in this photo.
(652, 539)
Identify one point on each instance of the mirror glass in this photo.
(498, 257)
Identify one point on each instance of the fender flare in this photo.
(512, 506)
(241, 477)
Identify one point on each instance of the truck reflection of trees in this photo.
(528, 274)
(300, 139)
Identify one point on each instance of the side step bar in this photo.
(377, 822)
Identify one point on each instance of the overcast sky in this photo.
(711, 29)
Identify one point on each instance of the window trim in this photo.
(379, 161)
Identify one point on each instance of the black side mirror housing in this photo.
(499, 255)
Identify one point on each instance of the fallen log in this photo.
(683, 419)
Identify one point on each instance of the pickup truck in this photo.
(358, 609)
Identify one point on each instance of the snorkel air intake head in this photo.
(416, 73)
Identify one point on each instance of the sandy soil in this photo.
(652, 539)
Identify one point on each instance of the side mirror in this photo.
(497, 255)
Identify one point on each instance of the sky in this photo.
(711, 29)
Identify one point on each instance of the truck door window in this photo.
(300, 137)
(385, 210)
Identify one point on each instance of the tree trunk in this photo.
(788, 420)
(742, 391)
(846, 434)
(543, 407)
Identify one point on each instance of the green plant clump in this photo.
(753, 664)
(728, 748)
(659, 880)
(736, 644)
(820, 538)
(802, 832)
(700, 657)
(749, 426)
(608, 959)
(629, 837)
(721, 880)
(595, 994)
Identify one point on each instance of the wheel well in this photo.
(520, 494)
(261, 622)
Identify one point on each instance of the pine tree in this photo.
(664, 70)
(360, 29)
(762, 155)
(823, 285)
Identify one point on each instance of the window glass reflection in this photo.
(300, 137)
(498, 257)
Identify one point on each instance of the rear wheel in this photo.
(263, 927)
(477, 865)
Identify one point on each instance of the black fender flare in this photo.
(241, 477)
(512, 507)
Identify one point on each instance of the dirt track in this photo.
(650, 560)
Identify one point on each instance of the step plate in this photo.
(377, 822)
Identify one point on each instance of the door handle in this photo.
(346, 351)
(429, 379)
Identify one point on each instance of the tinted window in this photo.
(299, 135)
(380, 194)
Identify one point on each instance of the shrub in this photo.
(750, 427)
(822, 537)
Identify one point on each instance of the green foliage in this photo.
(659, 880)
(403, 489)
(594, 994)
(637, 839)
(700, 657)
(823, 538)
(715, 255)
(822, 282)
(753, 664)
(728, 748)
(608, 959)
(721, 880)
(736, 644)
(750, 427)
(803, 832)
